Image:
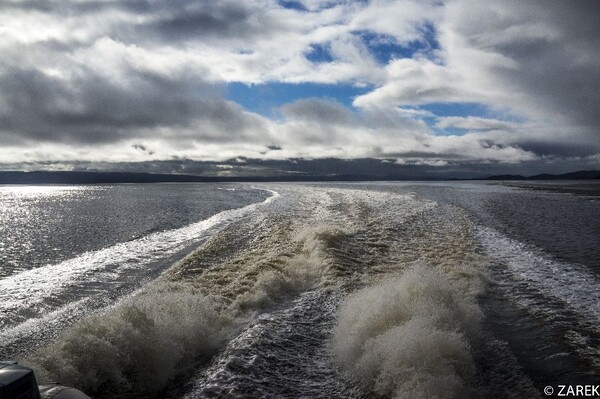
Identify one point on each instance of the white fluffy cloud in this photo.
(112, 81)
(537, 61)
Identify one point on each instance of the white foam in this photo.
(28, 290)
(169, 326)
(139, 344)
(409, 337)
(572, 284)
(307, 267)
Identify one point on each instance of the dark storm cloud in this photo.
(91, 108)
(76, 8)
(143, 148)
(135, 80)
(307, 169)
(182, 21)
(424, 155)
(87, 102)
(171, 21)
(548, 148)
(219, 19)
(318, 111)
(297, 168)
(300, 168)
(556, 46)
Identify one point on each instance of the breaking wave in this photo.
(140, 344)
(34, 292)
(409, 337)
(380, 285)
(170, 327)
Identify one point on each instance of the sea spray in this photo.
(409, 337)
(172, 325)
(33, 293)
(140, 344)
(321, 241)
(286, 261)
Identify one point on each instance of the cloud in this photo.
(545, 70)
(203, 19)
(143, 148)
(551, 64)
(474, 123)
(419, 81)
(118, 81)
(90, 108)
(415, 113)
(319, 111)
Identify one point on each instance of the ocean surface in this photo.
(324, 290)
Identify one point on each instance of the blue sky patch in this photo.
(264, 99)
(319, 53)
(291, 4)
(453, 109)
(385, 47)
(299, 6)
(429, 42)
(463, 109)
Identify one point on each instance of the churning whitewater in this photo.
(320, 292)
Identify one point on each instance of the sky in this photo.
(457, 88)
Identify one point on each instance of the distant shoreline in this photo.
(72, 177)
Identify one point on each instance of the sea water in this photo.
(311, 290)
(69, 250)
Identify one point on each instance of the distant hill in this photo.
(68, 177)
(579, 175)
(71, 177)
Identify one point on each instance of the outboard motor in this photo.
(18, 382)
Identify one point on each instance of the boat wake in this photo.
(326, 292)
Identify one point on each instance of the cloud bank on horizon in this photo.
(459, 86)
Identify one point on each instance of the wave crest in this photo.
(172, 326)
(409, 337)
(140, 344)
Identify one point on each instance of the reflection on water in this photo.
(332, 290)
(42, 225)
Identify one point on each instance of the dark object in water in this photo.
(18, 382)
